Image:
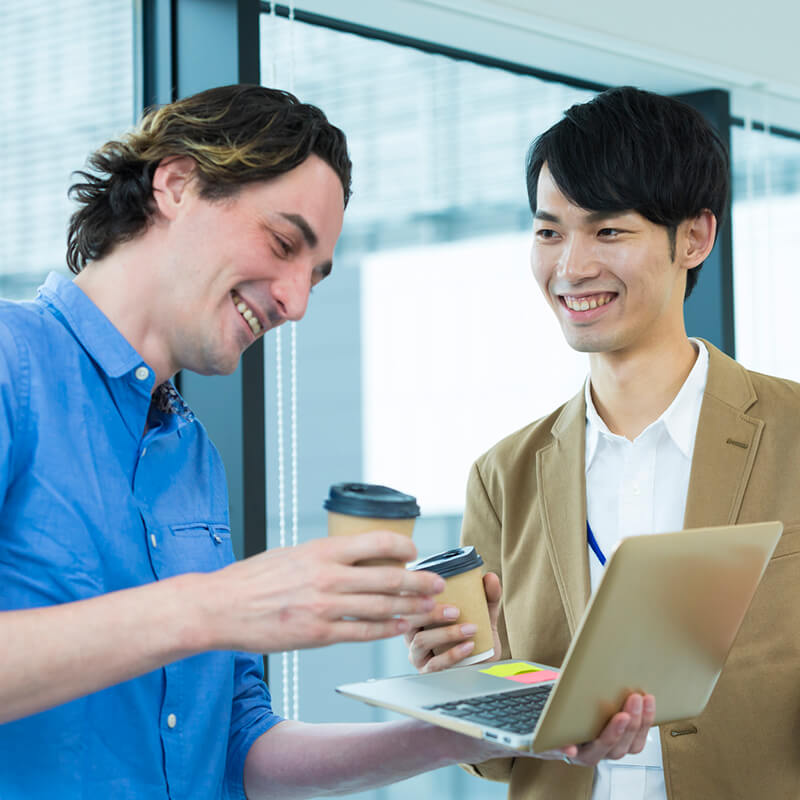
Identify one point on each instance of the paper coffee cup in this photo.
(363, 507)
(461, 569)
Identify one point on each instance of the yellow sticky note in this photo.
(515, 668)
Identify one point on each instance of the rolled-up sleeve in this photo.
(251, 716)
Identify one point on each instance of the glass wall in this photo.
(68, 75)
(766, 239)
(427, 344)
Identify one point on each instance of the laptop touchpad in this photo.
(461, 683)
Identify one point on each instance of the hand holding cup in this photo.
(462, 627)
(313, 594)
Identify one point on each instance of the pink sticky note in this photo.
(534, 677)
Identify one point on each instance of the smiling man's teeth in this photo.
(249, 317)
(587, 303)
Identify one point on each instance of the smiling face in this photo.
(241, 266)
(611, 278)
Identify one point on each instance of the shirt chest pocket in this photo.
(200, 546)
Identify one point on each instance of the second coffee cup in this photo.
(461, 569)
(363, 507)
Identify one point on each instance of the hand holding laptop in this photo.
(626, 731)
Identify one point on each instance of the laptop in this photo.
(662, 621)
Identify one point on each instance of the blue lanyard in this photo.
(601, 557)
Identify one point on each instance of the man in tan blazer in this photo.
(626, 192)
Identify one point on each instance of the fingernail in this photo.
(466, 647)
(620, 729)
(450, 612)
(401, 625)
(468, 629)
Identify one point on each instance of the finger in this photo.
(450, 657)
(379, 606)
(419, 665)
(617, 742)
(385, 580)
(593, 752)
(418, 654)
(633, 707)
(571, 752)
(375, 544)
(423, 644)
(445, 636)
(450, 638)
(492, 588)
(648, 717)
(363, 631)
(440, 615)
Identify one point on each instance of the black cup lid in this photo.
(450, 562)
(370, 500)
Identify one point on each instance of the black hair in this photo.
(236, 135)
(631, 150)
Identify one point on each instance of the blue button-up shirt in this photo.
(91, 503)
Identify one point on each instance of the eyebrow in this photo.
(300, 222)
(591, 217)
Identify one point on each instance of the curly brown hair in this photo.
(236, 135)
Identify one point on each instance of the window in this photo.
(424, 346)
(766, 241)
(67, 87)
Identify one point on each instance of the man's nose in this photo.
(578, 261)
(291, 292)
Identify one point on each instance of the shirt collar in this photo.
(109, 349)
(94, 331)
(679, 419)
(684, 411)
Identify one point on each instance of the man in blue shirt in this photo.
(127, 627)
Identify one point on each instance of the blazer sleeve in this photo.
(482, 529)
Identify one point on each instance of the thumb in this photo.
(494, 592)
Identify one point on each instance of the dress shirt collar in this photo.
(680, 419)
(87, 323)
(109, 349)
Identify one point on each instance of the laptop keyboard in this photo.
(516, 711)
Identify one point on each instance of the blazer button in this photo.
(683, 731)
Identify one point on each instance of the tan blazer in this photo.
(526, 515)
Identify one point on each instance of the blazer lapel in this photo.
(561, 476)
(725, 447)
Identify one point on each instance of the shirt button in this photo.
(635, 489)
(172, 721)
(153, 540)
(142, 373)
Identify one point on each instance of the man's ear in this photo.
(170, 183)
(698, 238)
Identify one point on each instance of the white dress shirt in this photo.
(636, 487)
